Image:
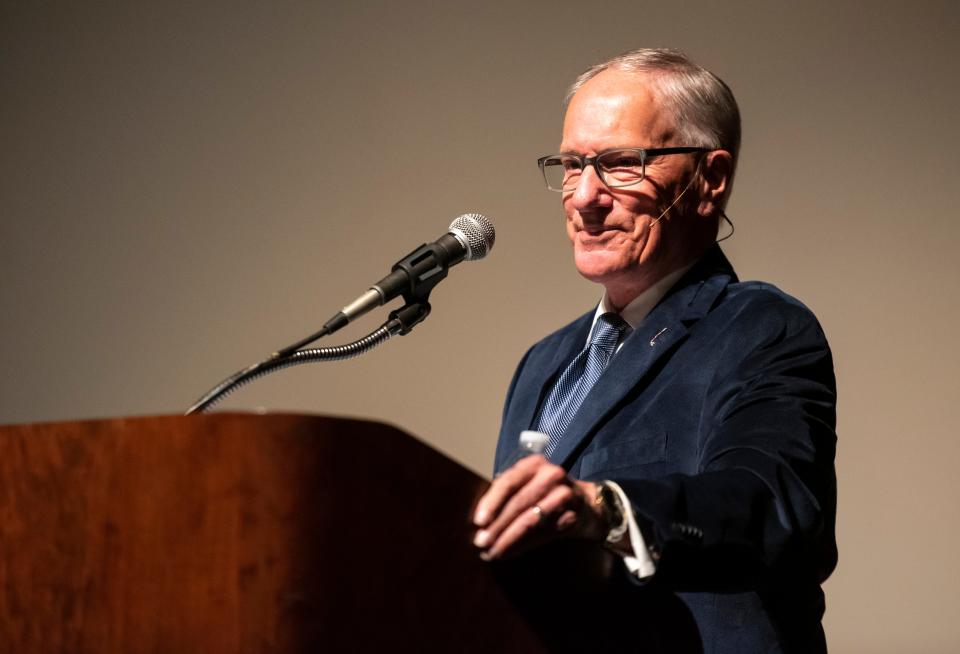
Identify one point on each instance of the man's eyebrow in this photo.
(605, 150)
(581, 154)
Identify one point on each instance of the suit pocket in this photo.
(645, 449)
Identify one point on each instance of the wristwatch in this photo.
(612, 509)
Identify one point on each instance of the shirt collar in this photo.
(638, 308)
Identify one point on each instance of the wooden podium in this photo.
(275, 533)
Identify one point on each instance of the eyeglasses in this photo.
(616, 168)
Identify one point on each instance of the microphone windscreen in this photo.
(476, 233)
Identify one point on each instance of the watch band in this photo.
(613, 512)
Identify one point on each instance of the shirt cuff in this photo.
(640, 563)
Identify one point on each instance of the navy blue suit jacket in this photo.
(717, 418)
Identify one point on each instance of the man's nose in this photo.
(590, 191)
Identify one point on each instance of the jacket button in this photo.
(689, 531)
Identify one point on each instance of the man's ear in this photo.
(715, 173)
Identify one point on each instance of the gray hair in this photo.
(704, 109)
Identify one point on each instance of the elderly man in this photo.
(690, 417)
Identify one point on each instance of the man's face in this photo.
(613, 241)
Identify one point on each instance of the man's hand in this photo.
(532, 503)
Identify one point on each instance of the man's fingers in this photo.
(558, 501)
(521, 531)
(544, 478)
(553, 512)
(504, 487)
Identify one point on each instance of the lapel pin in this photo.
(657, 335)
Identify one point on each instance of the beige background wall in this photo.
(186, 186)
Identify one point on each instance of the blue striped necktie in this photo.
(579, 377)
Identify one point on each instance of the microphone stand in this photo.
(400, 322)
(423, 269)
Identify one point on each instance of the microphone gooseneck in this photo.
(470, 237)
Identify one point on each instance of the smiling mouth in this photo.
(599, 239)
(595, 232)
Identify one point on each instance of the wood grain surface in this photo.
(239, 533)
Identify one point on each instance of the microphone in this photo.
(469, 238)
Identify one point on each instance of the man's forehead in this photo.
(615, 109)
(639, 85)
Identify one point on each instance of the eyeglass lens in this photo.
(616, 168)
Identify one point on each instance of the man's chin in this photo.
(599, 267)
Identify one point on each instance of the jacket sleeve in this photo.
(763, 501)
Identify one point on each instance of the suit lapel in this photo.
(664, 329)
